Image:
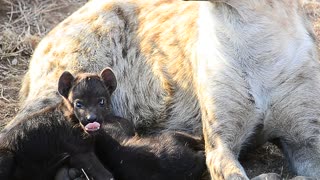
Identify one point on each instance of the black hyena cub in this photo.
(44, 141)
(170, 155)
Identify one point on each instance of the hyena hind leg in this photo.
(296, 121)
(304, 156)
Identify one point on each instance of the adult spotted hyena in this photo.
(234, 71)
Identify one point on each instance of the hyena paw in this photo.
(236, 177)
(303, 178)
(66, 173)
(267, 176)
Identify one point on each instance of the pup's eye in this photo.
(101, 102)
(79, 104)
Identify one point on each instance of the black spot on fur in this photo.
(124, 53)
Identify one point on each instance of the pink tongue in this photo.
(92, 126)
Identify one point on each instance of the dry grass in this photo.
(312, 9)
(24, 22)
(27, 21)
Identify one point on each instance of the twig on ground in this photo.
(1, 94)
(84, 172)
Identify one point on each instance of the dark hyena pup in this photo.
(43, 141)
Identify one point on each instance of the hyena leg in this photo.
(228, 118)
(304, 156)
(296, 121)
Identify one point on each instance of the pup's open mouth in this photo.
(91, 127)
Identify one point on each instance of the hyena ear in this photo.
(109, 79)
(65, 84)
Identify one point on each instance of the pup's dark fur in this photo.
(171, 155)
(42, 142)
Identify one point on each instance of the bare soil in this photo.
(24, 22)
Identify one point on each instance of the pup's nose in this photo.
(91, 118)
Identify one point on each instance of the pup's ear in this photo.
(109, 79)
(65, 84)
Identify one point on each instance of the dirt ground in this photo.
(24, 22)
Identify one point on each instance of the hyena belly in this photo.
(151, 61)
